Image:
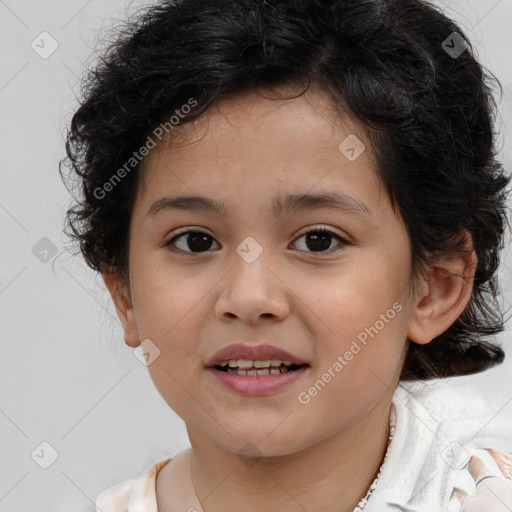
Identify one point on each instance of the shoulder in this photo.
(456, 417)
(485, 481)
(446, 430)
(457, 399)
(137, 494)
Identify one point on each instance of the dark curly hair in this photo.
(429, 114)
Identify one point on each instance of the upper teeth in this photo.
(247, 363)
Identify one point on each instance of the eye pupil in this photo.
(199, 241)
(316, 240)
(319, 239)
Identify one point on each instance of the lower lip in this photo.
(257, 385)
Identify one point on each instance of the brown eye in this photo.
(192, 241)
(320, 240)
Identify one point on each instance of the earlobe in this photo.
(444, 296)
(131, 336)
(124, 307)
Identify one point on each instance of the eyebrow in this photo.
(281, 206)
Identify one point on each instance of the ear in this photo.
(443, 296)
(121, 297)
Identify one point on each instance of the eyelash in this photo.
(342, 243)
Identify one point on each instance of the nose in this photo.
(253, 291)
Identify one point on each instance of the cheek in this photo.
(354, 296)
(169, 309)
(360, 360)
(361, 315)
(166, 298)
(175, 371)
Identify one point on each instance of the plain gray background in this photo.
(66, 376)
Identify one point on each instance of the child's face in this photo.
(314, 304)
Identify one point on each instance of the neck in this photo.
(332, 475)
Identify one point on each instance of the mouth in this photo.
(256, 370)
(246, 367)
(257, 378)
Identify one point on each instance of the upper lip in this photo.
(252, 353)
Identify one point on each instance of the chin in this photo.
(259, 444)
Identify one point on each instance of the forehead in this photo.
(255, 142)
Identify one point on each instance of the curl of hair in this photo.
(430, 118)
